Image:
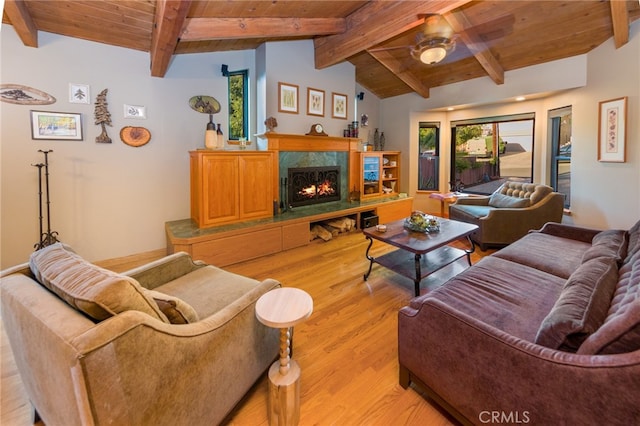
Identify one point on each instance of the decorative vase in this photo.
(220, 144)
(382, 141)
(210, 138)
(376, 140)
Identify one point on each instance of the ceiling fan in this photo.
(436, 39)
(432, 43)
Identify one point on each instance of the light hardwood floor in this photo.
(347, 349)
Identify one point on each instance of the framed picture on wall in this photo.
(287, 98)
(56, 125)
(612, 130)
(79, 93)
(339, 105)
(315, 102)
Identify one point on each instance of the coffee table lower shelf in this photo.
(417, 266)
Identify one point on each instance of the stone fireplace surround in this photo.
(311, 151)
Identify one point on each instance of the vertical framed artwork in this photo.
(315, 102)
(339, 105)
(56, 125)
(287, 98)
(79, 93)
(612, 130)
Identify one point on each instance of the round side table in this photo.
(283, 308)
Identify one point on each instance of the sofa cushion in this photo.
(500, 200)
(620, 332)
(97, 292)
(582, 306)
(174, 308)
(555, 255)
(510, 297)
(208, 289)
(610, 243)
(470, 213)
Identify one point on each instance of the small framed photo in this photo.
(339, 105)
(315, 102)
(612, 130)
(56, 125)
(287, 98)
(79, 93)
(135, 111)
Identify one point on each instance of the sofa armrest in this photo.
(162, 271)
(460, 358)
(22, 268)
(473, 201)
(569, 231)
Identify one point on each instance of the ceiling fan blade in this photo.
(382, 49)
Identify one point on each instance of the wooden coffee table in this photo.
(420, 253)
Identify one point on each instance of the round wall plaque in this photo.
(135, 136)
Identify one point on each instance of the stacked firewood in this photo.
(328, 229)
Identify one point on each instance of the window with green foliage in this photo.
(429, 156)
(238, 104)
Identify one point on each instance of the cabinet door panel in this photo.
(219, 189)
(256, 186)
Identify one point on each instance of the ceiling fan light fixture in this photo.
(433, 55)
(432, 50)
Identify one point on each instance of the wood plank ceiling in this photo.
(490, 37)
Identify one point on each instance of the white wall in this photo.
(107, 200)
(602, 194)
(294, 63)
(370, 105)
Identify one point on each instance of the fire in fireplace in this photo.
(313, 185)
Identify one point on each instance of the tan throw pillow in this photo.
(97, 292)
(177, 310)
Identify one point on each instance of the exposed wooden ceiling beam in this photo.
(22, 23)
(197, 29)
(463, 28)
(396, 67)
(620, 20)
(374, 23)
(169, 19)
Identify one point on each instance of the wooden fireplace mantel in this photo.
(272, 141)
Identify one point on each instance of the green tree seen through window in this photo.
(238, 104)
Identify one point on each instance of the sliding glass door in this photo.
(486, 152)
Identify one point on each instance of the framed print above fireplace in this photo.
(339, 105)
(287, 98)
(315, 102)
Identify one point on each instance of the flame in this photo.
(323, 189)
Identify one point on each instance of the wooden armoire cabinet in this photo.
(231, 186)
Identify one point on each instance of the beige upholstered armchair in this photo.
(509, 213)
(173, 342)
